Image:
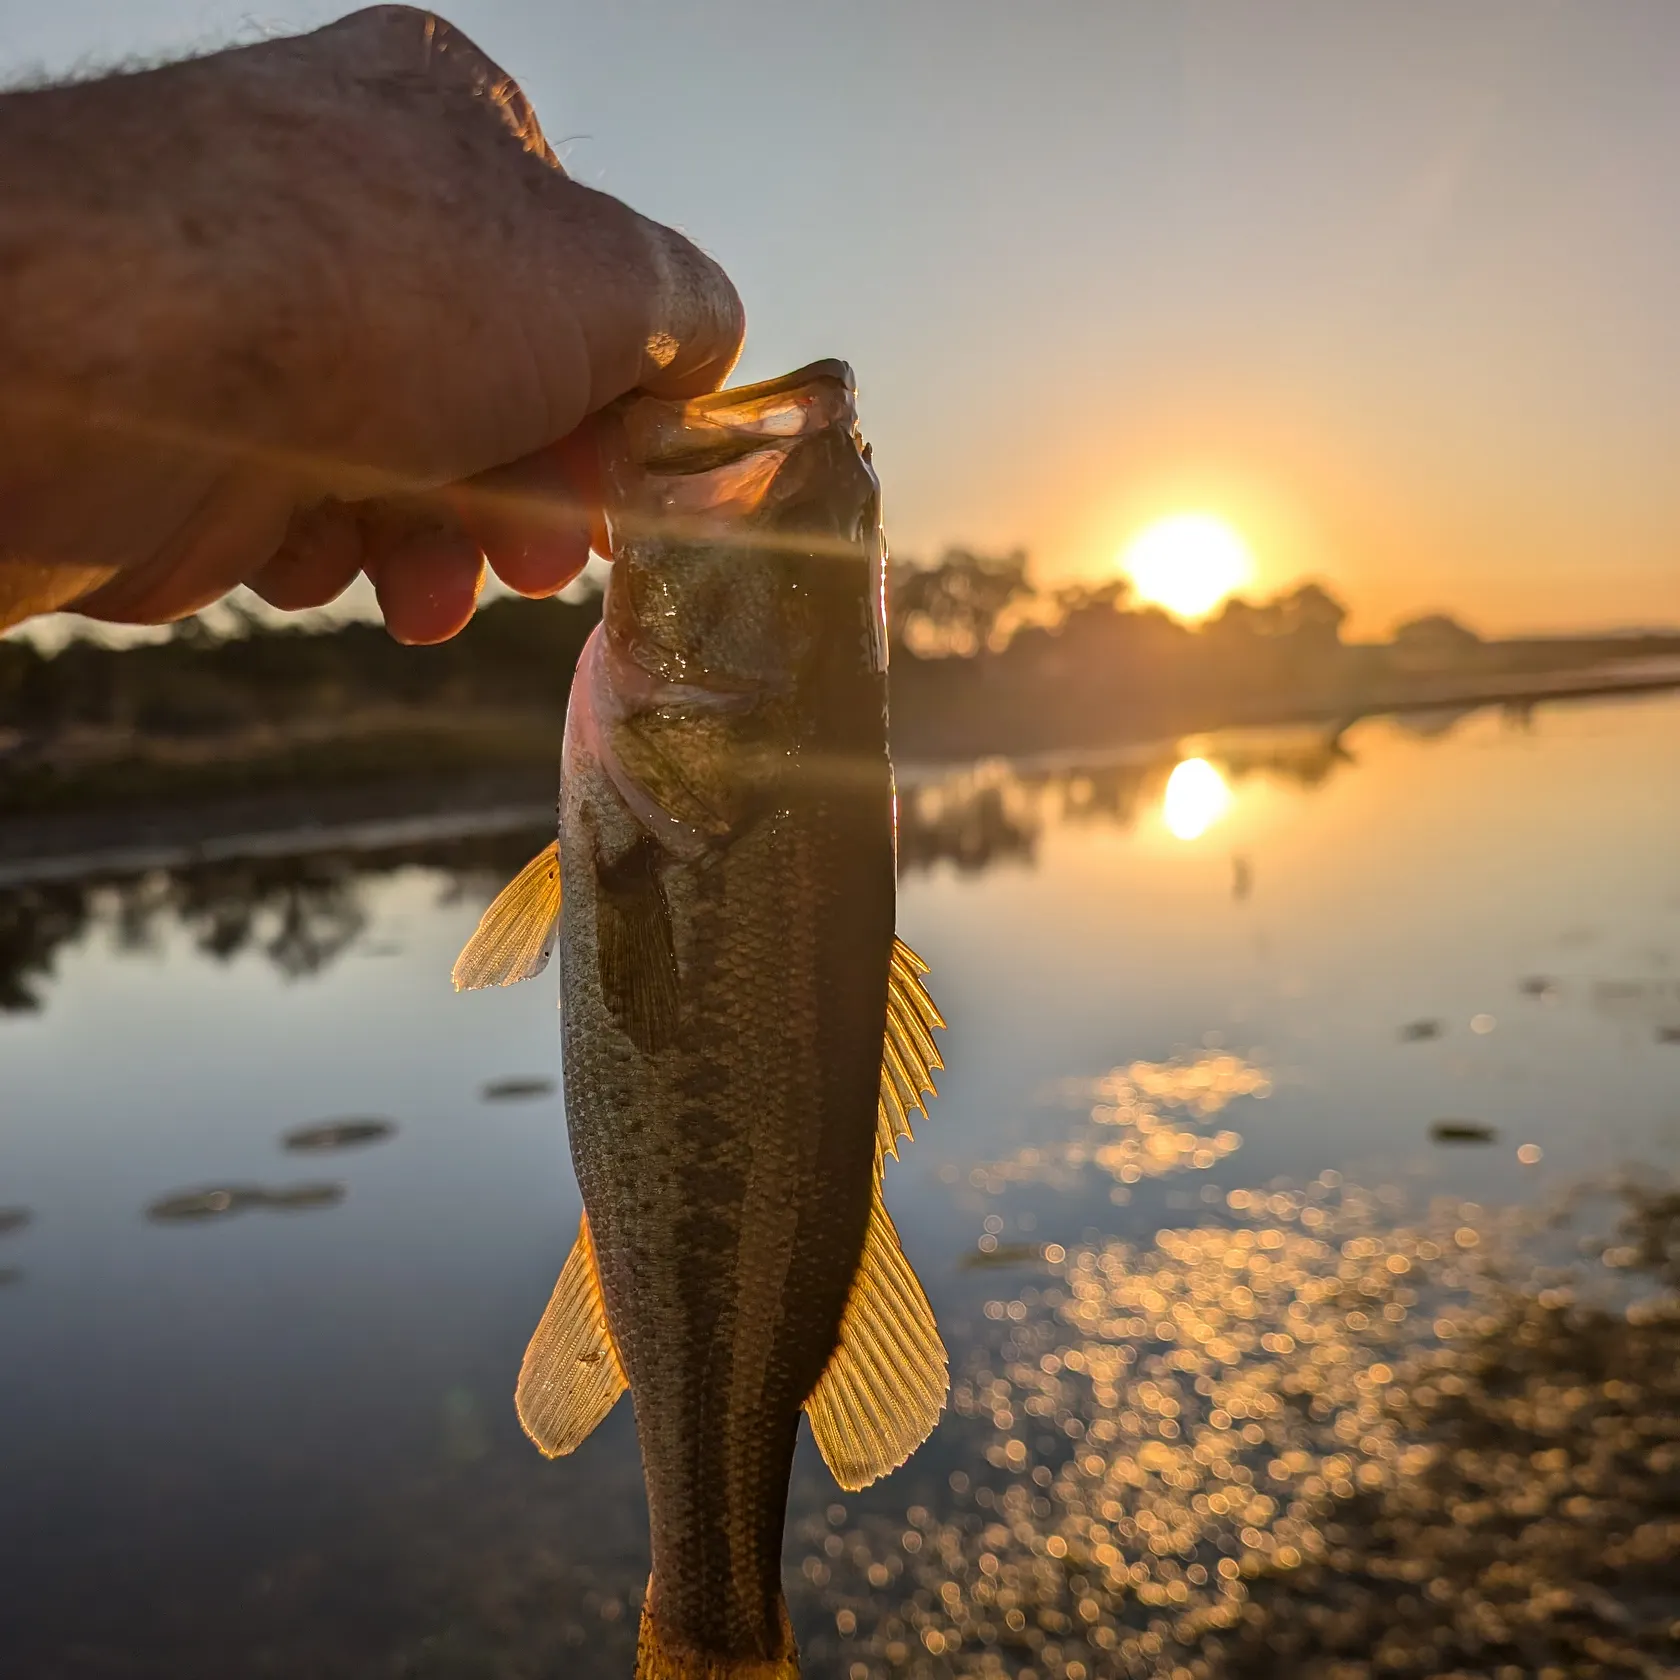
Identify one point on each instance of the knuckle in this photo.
(415, 42)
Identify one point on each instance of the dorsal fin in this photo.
(516, 934)
(908, 1057)
(571, 1377)
(885, 1383)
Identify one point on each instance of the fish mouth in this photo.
(778, 466)
(681, 440)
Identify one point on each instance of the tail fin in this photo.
(660, 1656)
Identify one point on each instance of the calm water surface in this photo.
(1225, 988)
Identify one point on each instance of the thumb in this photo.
(654, 310)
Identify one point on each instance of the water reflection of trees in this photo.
(301, 913)
(298, 913)
(996, 812)
(34, 923)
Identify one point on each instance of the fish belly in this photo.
(727, 1168)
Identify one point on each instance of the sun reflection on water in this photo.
(1195, 799)
(1143, 1122)
(1305, 1433)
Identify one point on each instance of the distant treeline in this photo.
(198, 682)
(983, 662)
(986, 662)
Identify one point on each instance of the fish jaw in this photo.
(746, 536)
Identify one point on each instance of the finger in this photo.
(317, 562)
(644, 306)
(699, 321)
(532, 519)
(426, 574)
(581, 453)
(242, 520)
(28, 587)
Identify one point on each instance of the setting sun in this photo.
(1187, 563)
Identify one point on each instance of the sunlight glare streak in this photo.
(1196, 798)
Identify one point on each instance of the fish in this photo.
(744, 1036)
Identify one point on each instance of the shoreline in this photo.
(182, 829)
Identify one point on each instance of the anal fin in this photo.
(516, 934)
(885, 1384)
(571, 1377)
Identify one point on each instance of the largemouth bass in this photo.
(744, 1037)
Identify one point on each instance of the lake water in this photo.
(1206, 1005)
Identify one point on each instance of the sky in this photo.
(1389, 287)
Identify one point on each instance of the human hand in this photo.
(313, 307)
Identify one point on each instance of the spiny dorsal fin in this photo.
(885, 1383)
(516, 934)
(571, 1377)
(908, 1057)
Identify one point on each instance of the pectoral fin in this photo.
(885, 1383)
(636, 947)
(571, 1377)
(516, 934)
